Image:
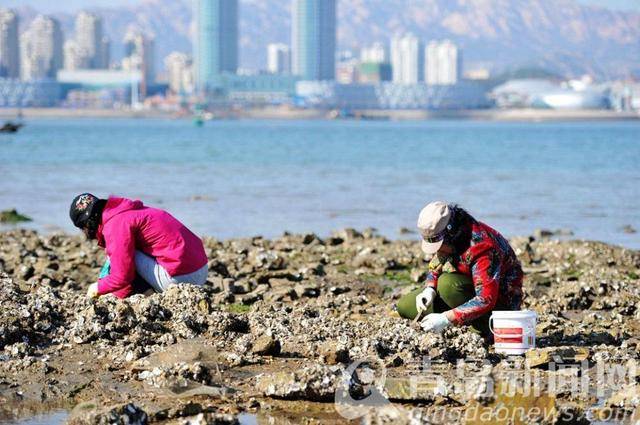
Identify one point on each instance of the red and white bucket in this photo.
(514, 332)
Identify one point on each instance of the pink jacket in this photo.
(128, 226)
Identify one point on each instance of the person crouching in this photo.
(141, 243)
(473, 271)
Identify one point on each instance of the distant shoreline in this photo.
(515, 115)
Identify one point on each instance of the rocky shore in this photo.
(277, 329)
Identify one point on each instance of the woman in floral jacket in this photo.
(473, 271)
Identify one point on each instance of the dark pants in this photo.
(454, 289)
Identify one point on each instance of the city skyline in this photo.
(482, 50)
(390, 70)
(215, 48)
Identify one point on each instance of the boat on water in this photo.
(200, 118)
(10, 127)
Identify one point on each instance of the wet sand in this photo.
(281, 322)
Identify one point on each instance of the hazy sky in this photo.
(73, 5)
(615, 4)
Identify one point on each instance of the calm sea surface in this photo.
(243, 178)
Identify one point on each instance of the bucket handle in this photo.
(525, 331)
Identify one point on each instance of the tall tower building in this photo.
(105, 52)
(444, 63)
(9, 52)
(313, 39)
(216, 40)
(407, 59)
(41, 52)
(139, 56)
(90, 39)
(278, 58)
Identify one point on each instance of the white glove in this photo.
(435, 322)
(92, 292)
(425, 299)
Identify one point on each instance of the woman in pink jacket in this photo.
(140, 242)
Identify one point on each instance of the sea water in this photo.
(252, 177)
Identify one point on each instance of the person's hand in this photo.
(92, 292)
(435, 322)
(425, 299)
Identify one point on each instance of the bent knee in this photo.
(453, 281)
(455, 289)
(406, 305)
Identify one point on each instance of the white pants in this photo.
(159, 279)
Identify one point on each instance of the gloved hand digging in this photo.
(435, 322)
(425, 299)
(92, 291)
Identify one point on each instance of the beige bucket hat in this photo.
(432, 223)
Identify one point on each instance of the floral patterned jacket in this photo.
(494, 269)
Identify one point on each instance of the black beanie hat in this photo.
(82, 208)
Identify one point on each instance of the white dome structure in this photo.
(539, 93)
(569, 99)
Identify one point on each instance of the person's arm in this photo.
(121, 251)
(432, 279)
(485, 272)
(434, 269)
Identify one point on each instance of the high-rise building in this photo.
(41, 49)
(74, 56)
(9, 51)
(216, 40)
(180, 72)
(105, 52)
(444, 63)
(91, 40)
(407, 59)
(278, 58)
(139, 56)
(376, 53)
(313, 39)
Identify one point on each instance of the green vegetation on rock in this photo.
(402, 277)
(399, 278)
(238, 308)
(12, 216)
